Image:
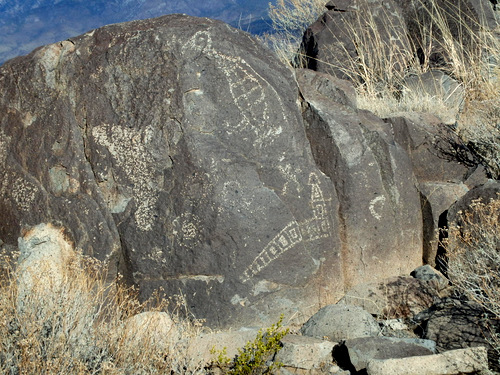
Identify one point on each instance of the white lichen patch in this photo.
(130, 150)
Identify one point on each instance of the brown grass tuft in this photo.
(84, 327)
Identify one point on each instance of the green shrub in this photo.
(256, 357)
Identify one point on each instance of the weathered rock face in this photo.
(174, 146)
(381, 222)
(419, 135)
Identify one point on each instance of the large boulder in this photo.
(454, 362)
(174, 148)
(302, 353)
(356, 353)
(378, 200)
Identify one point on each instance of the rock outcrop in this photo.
(340, 322)
(175, 149)
(460, 361)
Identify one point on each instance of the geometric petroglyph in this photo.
(317, 227)
(287, 238)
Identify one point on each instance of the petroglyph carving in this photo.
(317, 227)
(287, 238)
(248, 91)
(373, 202)
(129, 147)
(186, 227)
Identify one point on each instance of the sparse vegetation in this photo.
(290, 18)
(473, 251)
(83, 328)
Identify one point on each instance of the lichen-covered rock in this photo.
(175, 148)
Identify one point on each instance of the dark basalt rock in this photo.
(379, 203)
(174, 147)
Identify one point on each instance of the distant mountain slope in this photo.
(25, 25)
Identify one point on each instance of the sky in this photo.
(28, 24)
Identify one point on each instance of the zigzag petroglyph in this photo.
(317, 227)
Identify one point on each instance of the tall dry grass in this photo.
(381, 66)
(290, 18)
(85, 328)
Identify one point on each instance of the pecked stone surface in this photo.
(175, 148)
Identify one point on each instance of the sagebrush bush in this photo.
(257, 356)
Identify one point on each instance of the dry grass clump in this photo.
(473, 251)
(461, 47)
(290, 18)
(466, 50)
(85, 328)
